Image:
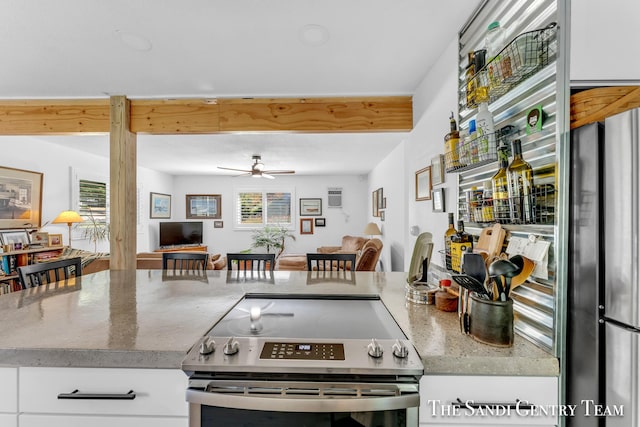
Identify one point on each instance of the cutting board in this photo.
(491, 240)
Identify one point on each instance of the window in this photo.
(258, 207)
(92, 202)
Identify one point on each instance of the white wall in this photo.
(57, 163)
(350, 219)
(433, 101)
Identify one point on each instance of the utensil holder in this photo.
(491, 322)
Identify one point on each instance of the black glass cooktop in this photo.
(309, 317)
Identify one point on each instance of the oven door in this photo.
(308, 404)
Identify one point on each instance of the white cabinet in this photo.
(8, 397)
(488, 400)
(159, 397)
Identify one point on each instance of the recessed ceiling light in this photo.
(133, 40)
(313, 35)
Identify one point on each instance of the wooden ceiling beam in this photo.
(207, 116)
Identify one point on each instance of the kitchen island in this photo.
(144, 319)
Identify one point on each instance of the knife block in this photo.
(491, 322)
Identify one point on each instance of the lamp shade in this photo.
(68, 217)
(372, 229)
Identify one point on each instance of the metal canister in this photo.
(421, 293)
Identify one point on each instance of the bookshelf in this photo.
(10, 261)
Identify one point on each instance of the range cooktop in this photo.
(305, 334)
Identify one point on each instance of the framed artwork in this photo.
(55, 239)
(437, 170)
(310, 207)
(382, 215)
(18, 237)
(218, 224)
(438, 200)
(306, 225)
(374, 204)
(160, 205)
(423, 184)
(204, 206)
(384, 203)
(320, 222)
(380, 198)
(21, 203)
(40, 238)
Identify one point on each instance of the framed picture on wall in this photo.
(320, 222)
(423, 184)
(374, 204)
(21, 202)
(438, 200)
(160, 205)
(311, 207)
(306, 225)
(204, 206)
(437, 170)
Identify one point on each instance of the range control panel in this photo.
(306, 351)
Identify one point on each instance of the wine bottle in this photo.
(461, 242)
(500, 187)
(451, 231)
(520, 178)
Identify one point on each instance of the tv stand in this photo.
(183, 249)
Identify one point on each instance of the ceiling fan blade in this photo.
(232, 169)
(275, 172)
(266, 175)
(242, 174)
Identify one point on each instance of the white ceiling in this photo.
(228, 48)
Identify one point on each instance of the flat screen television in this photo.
(180, 233)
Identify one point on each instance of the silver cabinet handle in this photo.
(75, 394)
(266, 403)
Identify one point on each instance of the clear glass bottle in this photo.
(486, 131)
(451, 231)
(520, 178)
(494, 43)
(500, 189)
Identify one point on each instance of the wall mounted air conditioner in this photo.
(334, 197)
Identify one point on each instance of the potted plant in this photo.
(95, 230)
(272, 238)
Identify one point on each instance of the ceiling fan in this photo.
(258, 171)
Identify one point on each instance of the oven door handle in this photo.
(303, 404)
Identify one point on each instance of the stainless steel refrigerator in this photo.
(603, 333)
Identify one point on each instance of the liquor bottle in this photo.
(451, 145)
(461, 242)
(520, 178)
(469, 76)
(487, 202)
(451, 231)
(500, 187)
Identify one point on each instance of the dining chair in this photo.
(333, 261)
(47, 272)
(249, 262)
(185, 261)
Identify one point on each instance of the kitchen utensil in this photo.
(475, 267)
(470, 283)
(505, 270)
(491, 240)
(526, 268)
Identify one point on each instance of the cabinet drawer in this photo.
(437, 392)
(8, 390)
(99, 421)
(7, 420)
(159, 392)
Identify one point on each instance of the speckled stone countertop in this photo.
(140, 319)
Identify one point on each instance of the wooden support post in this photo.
(123, 186)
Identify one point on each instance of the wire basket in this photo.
(525, 55)
(479, 151)
(537, 208)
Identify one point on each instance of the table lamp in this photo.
(372, 229)
(68, 217)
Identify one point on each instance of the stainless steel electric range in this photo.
(306, 361)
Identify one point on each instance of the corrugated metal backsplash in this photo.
(534, 301)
